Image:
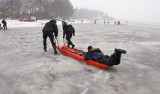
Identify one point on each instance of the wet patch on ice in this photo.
(88, 70)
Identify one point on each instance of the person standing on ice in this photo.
(118, 23)
(68, 31)
(95, 22)
(108, 22)
(104, 21)
(0, 27)
(48, 30)
(115, 23)
(4, 24)
(96, 55)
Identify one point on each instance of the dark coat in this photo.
(4, 22)
(68, 30)
(95, 55)
(89, 55)
(50, 28)
(98, 56)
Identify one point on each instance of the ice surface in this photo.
(26, 69)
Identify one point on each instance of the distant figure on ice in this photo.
(48, 30)
(68, 31)
(104, 21)
(118, 23)
(36, 19)
(4, 24)
(81, 21)
(96, 55)
(108, 22)
(95, 22)
(115, 23)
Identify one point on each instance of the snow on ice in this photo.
(26, 69)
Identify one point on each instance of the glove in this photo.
(73, 34)
(63, 36)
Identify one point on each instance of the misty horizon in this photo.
(130, 10)
(123, 10)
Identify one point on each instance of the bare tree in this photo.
(46, 9)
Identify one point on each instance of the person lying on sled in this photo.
(96, 55)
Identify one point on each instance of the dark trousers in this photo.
(69, 41)
(51, 37)
(113, 60)
(5, 27)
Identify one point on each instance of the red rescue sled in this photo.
(78, 55)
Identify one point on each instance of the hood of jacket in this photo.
(53, 20)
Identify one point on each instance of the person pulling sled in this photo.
(68, 32)
(48, 30)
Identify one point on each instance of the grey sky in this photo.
(140, 10)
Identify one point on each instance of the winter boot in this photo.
(55, 51)
(45, 48)
(45, 45)
(120, 51)
(73, 46)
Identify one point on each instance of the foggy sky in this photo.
(139, 10)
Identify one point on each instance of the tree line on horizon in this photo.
(46, 9)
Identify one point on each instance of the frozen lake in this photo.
(26, 69)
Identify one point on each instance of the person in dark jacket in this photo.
(68, 31)
(104, 21)
(4, 24)
(48, 30)
(118, 23)
(96, 55)
(0, 27)
(95, 22)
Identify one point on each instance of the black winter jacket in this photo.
(4, 22)
(50, 28)
(68, 30)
